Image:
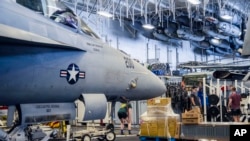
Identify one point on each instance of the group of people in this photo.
(233, 106)
(196, 100)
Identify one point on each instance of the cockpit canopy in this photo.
(60, 13)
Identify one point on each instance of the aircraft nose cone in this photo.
(158, 88)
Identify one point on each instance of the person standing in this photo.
(125, 115)
(234, 104)
(195, 100)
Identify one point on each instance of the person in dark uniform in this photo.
(125, 115)
(234, 104)
(195, 100)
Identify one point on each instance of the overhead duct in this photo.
(211, 8)
(223, 51)
(170, 28)
(220, 43)
(187, 35)
(138, 27)
(159, 34)
(212, 19)
(240, 6)
(202, 44)
(212, 52)
(183, 20)
(229, 29)
(215, 34)
(230, 16)
(237, 41)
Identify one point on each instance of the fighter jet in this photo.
(228, 71)
(49, 58)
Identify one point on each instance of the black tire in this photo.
(110, 127)
(110, 136)
(86, 137)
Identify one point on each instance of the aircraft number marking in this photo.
(129, 63)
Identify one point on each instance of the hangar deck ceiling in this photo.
(216, 27)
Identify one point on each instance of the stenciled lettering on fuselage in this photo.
(72, 73)
(129, 63)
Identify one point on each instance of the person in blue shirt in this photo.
(200, 95)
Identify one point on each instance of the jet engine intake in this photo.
(95, 106)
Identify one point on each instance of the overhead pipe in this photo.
(146, 12)
(133, 12)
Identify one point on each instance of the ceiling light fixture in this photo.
(226, 17)
(148, 26)
(195, 2)
(215, 41)
(105, 14)
(225, 14)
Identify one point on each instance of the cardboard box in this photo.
(172, 128)
(192, 120)
(191, 115)
(162, 132)
(149, 129)
(177, 131)
(158, 101)
(157, 111)
(195, 110)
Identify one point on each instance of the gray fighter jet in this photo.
(49, 58)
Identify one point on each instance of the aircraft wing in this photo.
(224, 67)
(10, 34)
(246, 45)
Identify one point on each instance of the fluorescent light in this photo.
(105, 14)
(195, 2)
(226, 17)
(148, 26)
(225, 14)
(215, 41)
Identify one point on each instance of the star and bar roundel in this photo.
(72, 74)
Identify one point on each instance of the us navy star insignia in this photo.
(72, 73)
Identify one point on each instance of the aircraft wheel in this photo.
(110, 136)
(110, 127)
(86, 138)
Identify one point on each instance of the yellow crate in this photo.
(195, 110)
(177, 131)
(158, 101)
(192, 120)
(191, 115)
(149, 129)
